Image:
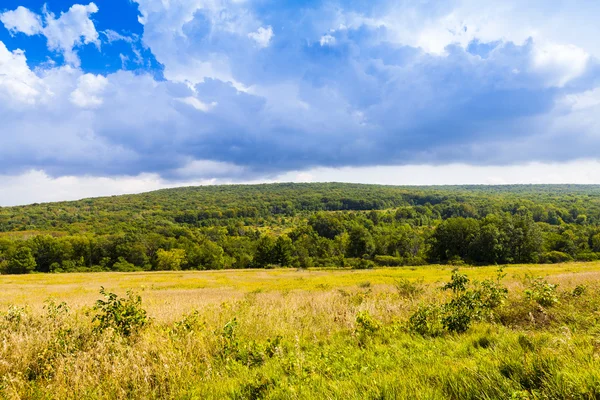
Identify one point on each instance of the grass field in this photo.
(298, 334)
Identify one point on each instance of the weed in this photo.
(409, 289)
(125, 315)
(366, 328)
(542, 292)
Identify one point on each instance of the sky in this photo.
(110, 97)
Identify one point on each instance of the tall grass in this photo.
(343, 340)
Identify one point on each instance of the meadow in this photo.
(300, 334)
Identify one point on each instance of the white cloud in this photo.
(22, 20)
(559, 63)
(208, 169)
(197, 104)
(72, 29)
(17, 82)
(262, 36)
(575, 172)
(88, 92)
(36, 186)
(327, 40)
(113, 36)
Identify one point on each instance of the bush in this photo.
(389, 261)
(466, 305)
(542, 292)
(125, 315)
(427, 321)
(587, 256)
(366, 327)
(554, 257)
(122, 265)
(359, 263)
(410, 289)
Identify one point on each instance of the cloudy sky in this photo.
(124, 96)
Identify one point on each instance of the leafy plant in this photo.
(125, 315)
(542, 292)
(427, 320)
(408, 288)
(366, 327)
(469, 302)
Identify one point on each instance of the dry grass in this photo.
(168, 293)
(313, 313)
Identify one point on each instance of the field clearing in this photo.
(184, 290)
(300, 334)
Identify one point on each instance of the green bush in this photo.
(408, 288)
(555, 257)
(587, 256)
(542, 292)
(468, 303)
(389, 261)
(366, 328)
(125, 315)
(427, 320)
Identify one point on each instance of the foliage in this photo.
(542, 292)
(408, 288)
(304, 225)
(469, 303)
(124, 315)
(304, 343)
(366, 328)
(427, 320)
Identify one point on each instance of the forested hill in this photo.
(327, 224)
(206, 205)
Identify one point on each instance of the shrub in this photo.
(410, 289)
(366, 327)
(587, 256)
(122, 265)
(125, 315)
(469, 305)
(389, 261)
(466, 305)
(542, 292)
(360, 263)
(427, 320)
(579, 291)
(14, 315)
(56, 311)
(554, 257)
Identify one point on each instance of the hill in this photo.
(326, 224)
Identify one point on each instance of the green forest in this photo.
(304, 225)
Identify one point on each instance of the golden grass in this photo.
(314, 312)
(182, 291)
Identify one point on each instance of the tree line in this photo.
(460, 226)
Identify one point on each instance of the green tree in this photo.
(283, 250)
(326, 225)
(360, 242)
(453, 238)
(169, 260)
(21, 261)
(264, 251)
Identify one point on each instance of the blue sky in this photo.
(122, 96)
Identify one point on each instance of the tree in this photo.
(170, 260)
(283, 250)
(21, 261)
(360, 242)
(46, 251)
(264, 251)
(453, 238)
(487, 247)
(326, 225)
